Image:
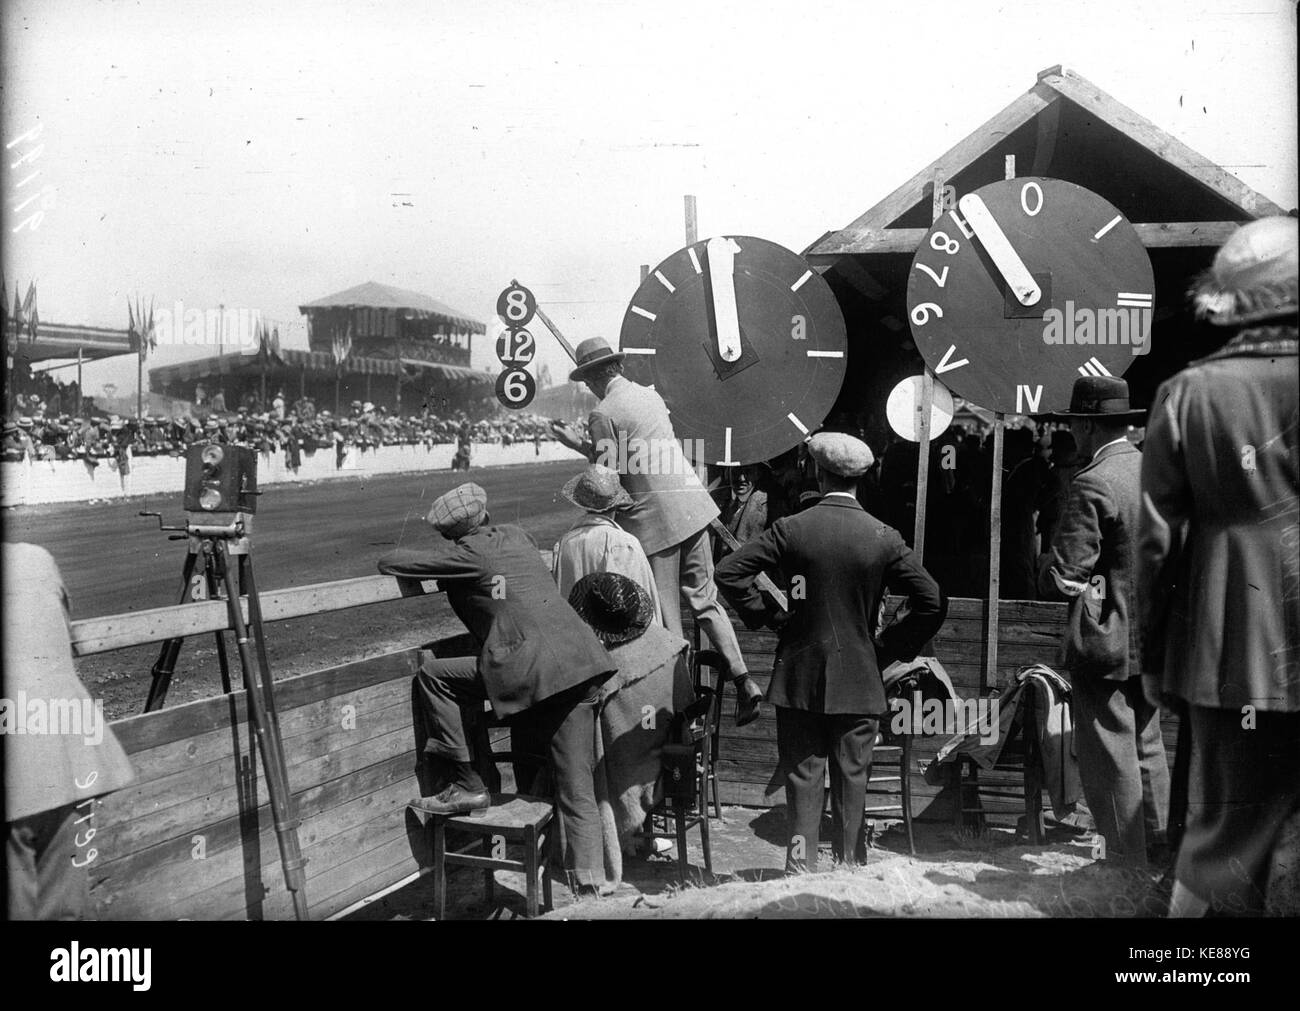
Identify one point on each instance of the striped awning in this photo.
(294, 360)
(63, 341)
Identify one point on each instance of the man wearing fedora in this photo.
(537, 660)
(826, 685)
(1092, 564)
(596, 543)
(670, 511)
(1219, 576)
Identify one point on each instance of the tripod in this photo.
(217, 545)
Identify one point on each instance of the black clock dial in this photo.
(1026, 285)
(746, 395)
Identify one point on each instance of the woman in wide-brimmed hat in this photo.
(596, 543)
(652, 677)
(1219, 577)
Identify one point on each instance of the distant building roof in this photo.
(373, 295)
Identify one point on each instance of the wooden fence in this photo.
(192, 837)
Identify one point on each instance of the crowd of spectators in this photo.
(1038, 463)
(297, 430)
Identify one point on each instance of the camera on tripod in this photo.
(220, 479)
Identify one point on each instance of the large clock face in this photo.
(745, 343)
(1023, 287)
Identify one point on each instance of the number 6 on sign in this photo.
(516, 389)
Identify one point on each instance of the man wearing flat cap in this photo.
(838, 560)
(631, 432)
(1092, 565)
(1219, 575)
(537, 660)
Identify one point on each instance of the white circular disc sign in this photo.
(904, 407)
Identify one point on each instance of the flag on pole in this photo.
(140, 328)
(32, 317)
(268, 344)
(342, 343)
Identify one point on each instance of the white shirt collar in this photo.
(846, 494)
(1122, 438)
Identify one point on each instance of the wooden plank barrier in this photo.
(1028, 632)
(192, 837)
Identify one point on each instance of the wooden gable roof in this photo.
(1067, 128)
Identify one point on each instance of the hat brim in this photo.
(1130, 417)
(620, 501)
(585, 367)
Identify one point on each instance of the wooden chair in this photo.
(515, 820)
(897, 765)
(702, 658)
(1020, 755)
(687, 768)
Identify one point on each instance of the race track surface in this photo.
(113, 561)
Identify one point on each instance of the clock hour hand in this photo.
(721, 254)
(996, 244)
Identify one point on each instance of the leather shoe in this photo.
(749, 701)
(454, 800)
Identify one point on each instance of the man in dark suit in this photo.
(537, 657)
(1219, 575)
(837, 560)
(1092, 565)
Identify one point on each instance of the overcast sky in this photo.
(229, 153)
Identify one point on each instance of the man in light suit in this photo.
(630, 431)
(1092, 565)
(538, 661)
(826, 683)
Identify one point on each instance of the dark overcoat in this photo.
(532, 644)
(836, 559)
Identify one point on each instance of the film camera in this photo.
(220, 479)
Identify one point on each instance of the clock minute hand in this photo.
(721, 253)
(996, 244)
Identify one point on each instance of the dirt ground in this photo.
(989, 874)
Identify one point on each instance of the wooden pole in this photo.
(690, 220)
(78, 381)
(645, 271)
(139, 380)
(925, 409)
(989, 677)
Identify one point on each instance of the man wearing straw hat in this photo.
(1122, 761)
(1219, 577)
(631, 431)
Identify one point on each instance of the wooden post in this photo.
(399, 388)
(139, 379)
(78, 380)
(690, 220)
(989, 676)
(338, 381)
(302, 382)
(925, 409)
(367, 396)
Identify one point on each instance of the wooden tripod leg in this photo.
(267, 731)
(223, 660)
(165, 665)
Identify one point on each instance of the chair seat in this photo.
(508, 811)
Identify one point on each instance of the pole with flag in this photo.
(341, 346)
(143, 339)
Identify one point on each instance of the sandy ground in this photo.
(989, 874)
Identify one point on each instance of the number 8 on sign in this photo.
(516, 389)
(516, 306)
